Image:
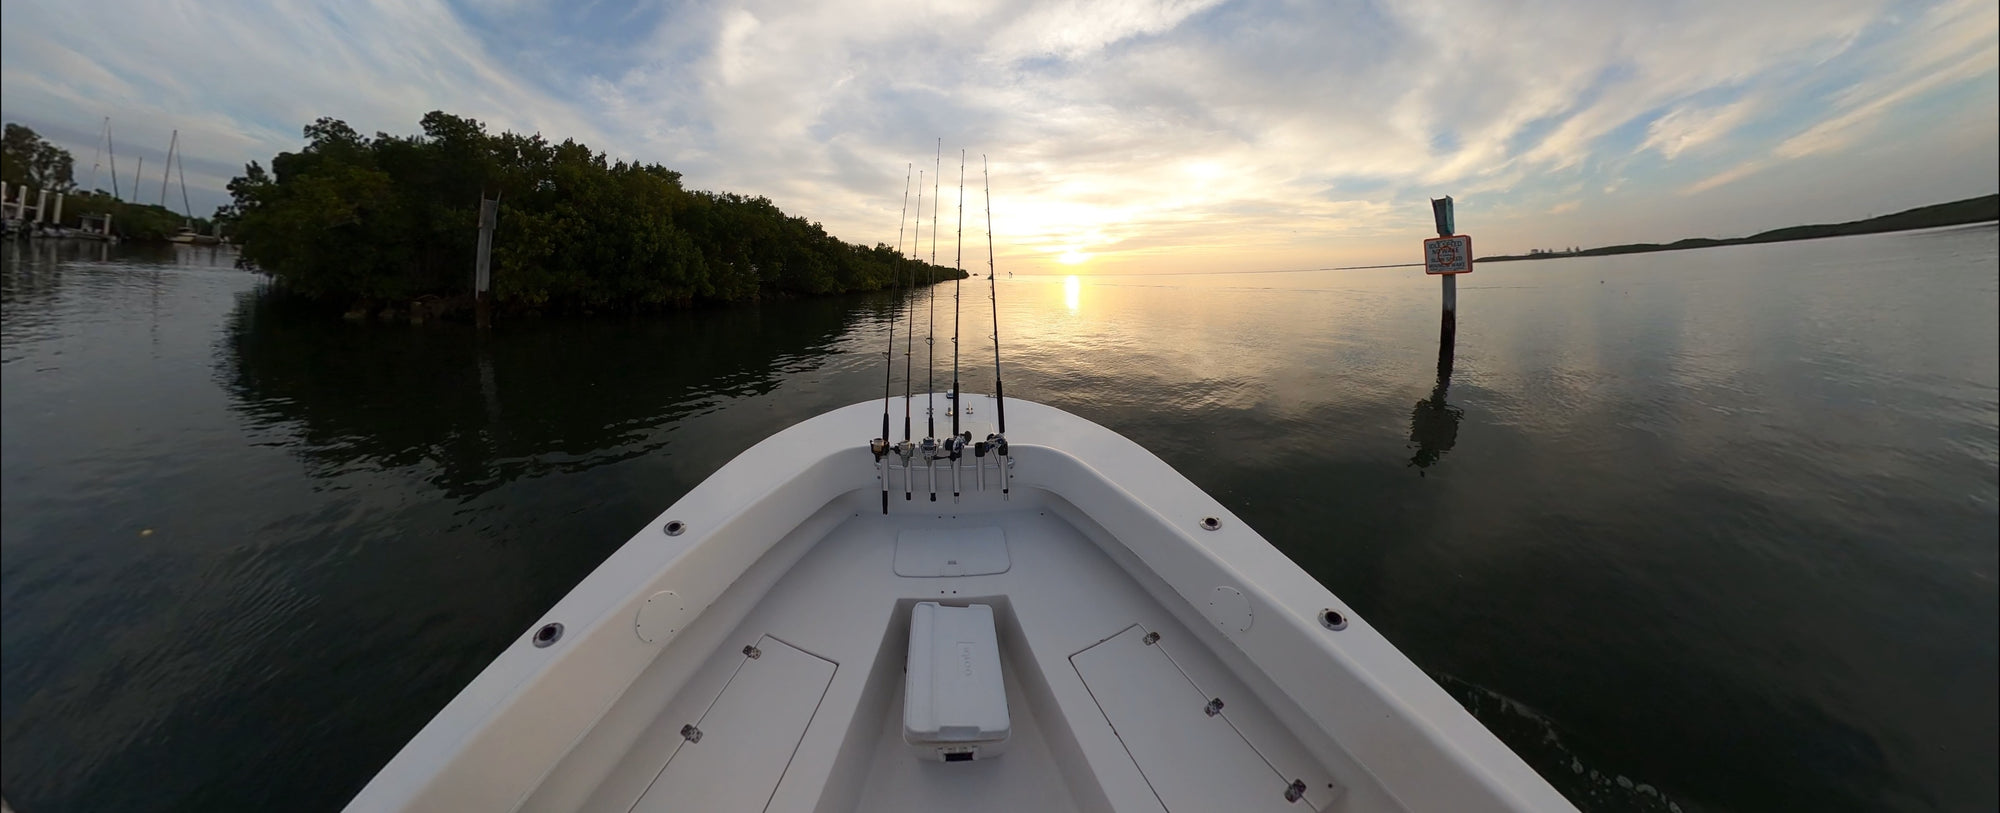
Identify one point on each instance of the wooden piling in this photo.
(1448, 323)
(1434, 422)
(482, 280)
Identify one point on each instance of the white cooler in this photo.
(954, 702)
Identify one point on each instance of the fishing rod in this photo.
(956, 446)
(937, 173)
(930, 445)
(999, 439)
(993, 294)
(880, 446)
(955, 293)
(930, 275)
(909, 344)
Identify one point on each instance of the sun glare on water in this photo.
(1072, 292)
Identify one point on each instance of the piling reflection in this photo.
(26, 277)
(34, 267)
(1434, 423)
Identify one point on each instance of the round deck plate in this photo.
(661, 617)
(1229, 610)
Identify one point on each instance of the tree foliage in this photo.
(395, 217)
(27, 160)
(130, 221)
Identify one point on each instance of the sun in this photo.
(1073, 257)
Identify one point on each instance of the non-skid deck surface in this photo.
(814, 723)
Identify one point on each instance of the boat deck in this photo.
(809, 717)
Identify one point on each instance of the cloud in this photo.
(1151, 133)
(1727, 176)
(1951, 44)
(1945, 47)
(1076, 28)
(1689, 127)
(271, 71)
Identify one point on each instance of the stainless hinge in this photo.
(1152, 638)
(692, 734)
(1214, 707)
(1296, 792)
(752, 652)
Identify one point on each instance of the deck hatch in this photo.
(936, 552)
(732, 758)
(1182, 741)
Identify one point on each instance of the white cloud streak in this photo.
(1686, 128)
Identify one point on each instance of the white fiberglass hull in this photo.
(746, 651)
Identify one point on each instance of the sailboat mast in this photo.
(180, 168)
(167, 174)
(111, 150)
(97, 160)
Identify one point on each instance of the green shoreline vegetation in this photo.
(1957, 213)
(391, 222)
(29, 162)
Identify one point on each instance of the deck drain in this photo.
(1210, 523)
(676, 527)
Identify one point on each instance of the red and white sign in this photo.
(1448, 255)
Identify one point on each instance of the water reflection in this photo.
(47, 252)
(1699, 501)
(1434, 427)
(33, 268)
(1434, 423)
(527, 399)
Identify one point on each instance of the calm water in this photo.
(1713, 529)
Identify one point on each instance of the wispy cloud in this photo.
(1688, 127)
(1150, 133)
(1950, 44)
(1725, 177)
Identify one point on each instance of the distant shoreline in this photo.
(1957, 213)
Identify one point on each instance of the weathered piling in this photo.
(1447, 255)
(1434, 422)
(482, 279)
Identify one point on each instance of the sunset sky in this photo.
(1124, 135)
